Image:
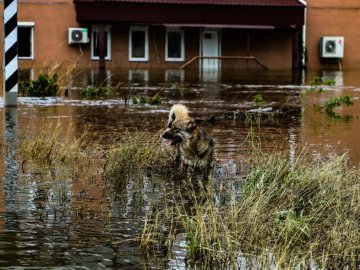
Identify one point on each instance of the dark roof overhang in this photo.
(224, 12)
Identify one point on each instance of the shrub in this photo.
(334, 102)
(44, 86)
(92, 92)
(259, 100)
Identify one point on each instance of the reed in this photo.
(133, 153)
(285, 216)
(57, 148)
(280, 214)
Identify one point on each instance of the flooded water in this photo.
(78, 225)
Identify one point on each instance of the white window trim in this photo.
(172, 59)
(30, 25)
(139, 28)
(107, 29)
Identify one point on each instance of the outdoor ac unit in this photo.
(78, 35)
(332, 47)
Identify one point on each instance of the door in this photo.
(210, 47)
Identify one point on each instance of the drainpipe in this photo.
(298, 44)
(101, 42)
(303, 58)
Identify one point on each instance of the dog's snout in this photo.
(166, 135)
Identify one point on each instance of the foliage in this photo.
(259, 100)
(134, 100)
(316, 85)
(92, 92)
(44, 86)
(334, 102)
(155, 100)
(317, 81)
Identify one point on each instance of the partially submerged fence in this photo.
(247, 58)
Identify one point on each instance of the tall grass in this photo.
(53, 147)
(294, 214)
(286, 214)
(133, 153)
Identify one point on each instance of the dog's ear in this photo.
(171, 120)
(210, 119)
(199, 121)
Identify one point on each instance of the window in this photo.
(175, 45)
(95, 45)
(26, 40)
(139, 77)
(138, 44)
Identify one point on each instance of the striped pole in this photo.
(10, 62)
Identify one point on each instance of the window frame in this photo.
(146, 30)
(182, 45)
(95, 29)
(30, 25)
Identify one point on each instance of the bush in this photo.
(334, 102)
(92, 92)
(45, 85)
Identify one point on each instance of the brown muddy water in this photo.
(73, 224)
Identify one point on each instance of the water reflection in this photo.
(52, 219)
(8, 215)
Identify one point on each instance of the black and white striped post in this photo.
(10, 62)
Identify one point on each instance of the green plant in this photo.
(134, 100)
(92, 92)
(317, 82)
(259, 100)
(45, 85)
(143, 100)
(334, 102)
(155, 100)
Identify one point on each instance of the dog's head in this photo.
(180, 130)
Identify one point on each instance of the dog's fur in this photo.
(191, 145)
(177, 111)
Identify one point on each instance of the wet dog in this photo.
(190, 144)
(169, 147)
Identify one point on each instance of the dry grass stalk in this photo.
(133, 153)
(288, 215)
(51, 147)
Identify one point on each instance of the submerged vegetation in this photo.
(330, 104)
(287, 215)
(334, 102)
(92, 92)
(46, 85)
(54, 148)
(259, 100)
(155, 100)
(49, 80)
(280, 214)
(133, 153)
(317, 83)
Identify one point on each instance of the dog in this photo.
(190, 145)
(170, 149)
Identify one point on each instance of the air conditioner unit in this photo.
(78, 35)
(332, 47)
